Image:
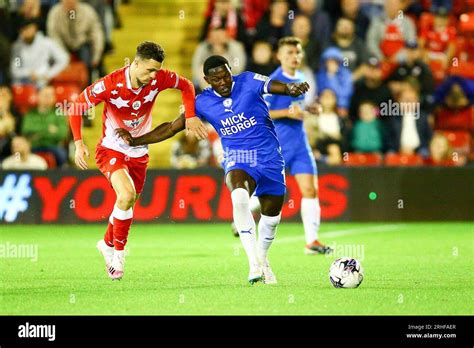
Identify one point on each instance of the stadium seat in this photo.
(75, 73)
(24, 97)
(49, 158)
(398, 159)
(459, 141)
(466, 22)
(66, 92)
(363, 159)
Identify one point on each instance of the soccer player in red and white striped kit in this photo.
(129, 94)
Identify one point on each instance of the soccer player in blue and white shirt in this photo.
(287, 114)
(253, 163)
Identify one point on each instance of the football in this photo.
(346, 272)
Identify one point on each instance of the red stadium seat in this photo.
(363, 159)
(459, 141)
(398, 159)
(24, 97)
(49, 158)
(466, 22)
(66, 92)
(75, 73)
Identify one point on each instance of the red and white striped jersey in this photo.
(129, 108)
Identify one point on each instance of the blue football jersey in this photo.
(287, 129)
(242, 120)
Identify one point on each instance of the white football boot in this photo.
(117, 266)
(255, 274)
(269, 276)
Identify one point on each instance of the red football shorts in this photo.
(108, 161)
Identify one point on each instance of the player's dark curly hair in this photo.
(150, 50)
(214, 62)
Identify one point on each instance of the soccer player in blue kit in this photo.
(253, 162)
(287, 114)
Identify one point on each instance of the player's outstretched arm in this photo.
(291, 89)
(160, 133)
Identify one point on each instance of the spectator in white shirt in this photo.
(32, 55)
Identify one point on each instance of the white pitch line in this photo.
(346, 232)
(339, 233)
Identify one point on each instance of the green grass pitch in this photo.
(184, 269)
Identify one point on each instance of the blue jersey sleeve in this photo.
(257, 82)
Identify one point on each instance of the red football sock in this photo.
(121, 228)
(122, 221)
(109, 235)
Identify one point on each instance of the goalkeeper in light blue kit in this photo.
(287, 114)
(253, 162)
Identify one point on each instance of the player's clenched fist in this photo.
(82, 153)
(296, 89)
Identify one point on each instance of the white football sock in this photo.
(311, 216)
(267, 228)
(245, 223)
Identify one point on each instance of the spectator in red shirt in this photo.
(225, 15)
(455, 99)
(252, 12)
(439, 42)
(387, 34)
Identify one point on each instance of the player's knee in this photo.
(126, 197)
(240, 198)
(309, 191)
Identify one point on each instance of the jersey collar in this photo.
(288, 76)
(231, 89)
(129, 82)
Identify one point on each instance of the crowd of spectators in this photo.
(49, 51)
(394, 78)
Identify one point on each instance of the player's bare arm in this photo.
(81, 154)
(291, 89)
(162, 132)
